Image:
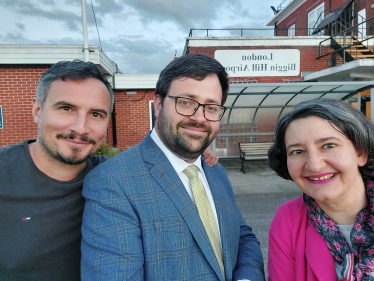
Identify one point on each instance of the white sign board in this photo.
(259, 63)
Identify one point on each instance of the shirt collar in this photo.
(178, 164)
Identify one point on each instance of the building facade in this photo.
(268, 74)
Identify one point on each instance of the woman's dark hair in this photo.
(340, 114)
(196, 66)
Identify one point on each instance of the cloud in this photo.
(17, 38)
(139, 56)
(21, 26)
(186, 14)
(30, 9)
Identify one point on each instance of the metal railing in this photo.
(240, 32)
(282, 4)
(358, 33)
(246, 32)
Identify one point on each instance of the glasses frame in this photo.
(199, 104)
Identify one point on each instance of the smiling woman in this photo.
(326, 148)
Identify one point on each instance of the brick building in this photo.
(268, 74)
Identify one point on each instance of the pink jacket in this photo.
(296, 250)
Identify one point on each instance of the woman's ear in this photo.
(362, 157)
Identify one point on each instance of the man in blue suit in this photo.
(157, 211)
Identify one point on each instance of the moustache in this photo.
(194, 124)
(72, 136)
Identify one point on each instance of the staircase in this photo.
(350, 49)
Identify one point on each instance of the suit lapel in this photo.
(163, 172)
(318, 255)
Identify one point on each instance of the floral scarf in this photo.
(357, 265)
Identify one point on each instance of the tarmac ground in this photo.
(259, 192)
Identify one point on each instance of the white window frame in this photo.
(151, 112)
(313, 17)
(362, 18)
(292, 30)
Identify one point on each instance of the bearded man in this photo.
(42, 179)
(157, 211)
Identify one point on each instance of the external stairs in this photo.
(350, 49)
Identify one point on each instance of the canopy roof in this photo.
(253, 109)
(331, 17)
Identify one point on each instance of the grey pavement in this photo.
(259, 193)
(259, 180)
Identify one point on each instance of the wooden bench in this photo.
(253, 151)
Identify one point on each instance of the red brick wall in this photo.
(17, 89)
(132, 118)
(308, 60)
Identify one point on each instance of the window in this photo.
(152, 118)
(362, 24)
(314, 18)
(291, 30)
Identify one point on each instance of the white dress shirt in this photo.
(179, 165)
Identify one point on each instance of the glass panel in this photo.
(291, 89)
(240, 122)
(291, 30)
(348, 88)
(230, 100)
(300, 98)
(249, 100)
(285, 111)
(266, 119)
(277, 99)
(259, 89)
(237, 89)
(335, 96)
(322, 88)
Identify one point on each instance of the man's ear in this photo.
(157, 105)
(36, 110)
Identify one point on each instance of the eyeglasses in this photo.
(188, 107)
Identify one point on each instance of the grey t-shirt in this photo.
(40, 219)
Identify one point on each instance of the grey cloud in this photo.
(67, 41)
(187, 14)
(139, 56)
(17, 38)
(21, 26)
(27, 8)
(107, 7)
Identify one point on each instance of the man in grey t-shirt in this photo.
(41, 180)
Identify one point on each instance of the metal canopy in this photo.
(331, 17)
(255, 108)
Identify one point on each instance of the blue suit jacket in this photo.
(139, 223)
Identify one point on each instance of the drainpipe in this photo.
(85, 36)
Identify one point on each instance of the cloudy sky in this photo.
(141, 36)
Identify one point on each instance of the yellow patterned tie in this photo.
(205, 212)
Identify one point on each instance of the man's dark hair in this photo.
(196, 66)
(341, 116)
(72, 70)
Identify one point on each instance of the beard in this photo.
(181, 144)
(75, 158)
